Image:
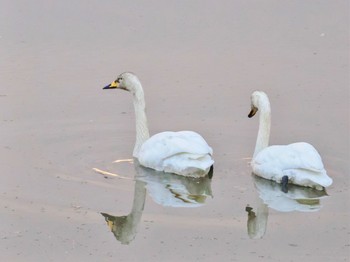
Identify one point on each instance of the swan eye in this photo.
(119, 79)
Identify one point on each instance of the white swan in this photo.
(184, 153)
(298, 163)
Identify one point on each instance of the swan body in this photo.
(184, 153)
(300, 162)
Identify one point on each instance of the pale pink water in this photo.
(198, 62)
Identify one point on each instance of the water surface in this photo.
(198, 61)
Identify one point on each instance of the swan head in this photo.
(258, 100)
(126, 81)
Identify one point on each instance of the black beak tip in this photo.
(107, 87)
(251, 113)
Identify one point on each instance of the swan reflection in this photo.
(124, 228)
(165, 189)
(171, 190)
(297, 198)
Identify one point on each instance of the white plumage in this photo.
(184, 153)
(300, 162)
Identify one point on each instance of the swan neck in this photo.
(262, 140)
(142, 132)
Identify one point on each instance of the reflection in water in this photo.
(124, 228)
(165, 189)
(297, 198)
(257, 220)
(173, 190)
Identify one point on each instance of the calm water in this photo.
(198, 61)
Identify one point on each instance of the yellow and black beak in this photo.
(253, 111)
(112, 85)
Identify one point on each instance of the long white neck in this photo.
(142, 132)
(262, 141)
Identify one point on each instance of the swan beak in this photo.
(114, 84)
(253, 111)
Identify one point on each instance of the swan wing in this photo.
(299, 161)
(182, 153)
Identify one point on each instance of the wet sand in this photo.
(198, 62)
